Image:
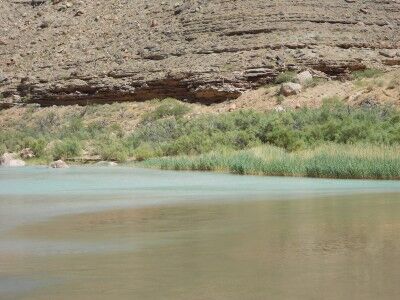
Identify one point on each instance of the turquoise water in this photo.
(71, 233)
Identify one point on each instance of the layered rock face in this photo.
(67, 52)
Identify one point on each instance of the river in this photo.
(130, 233)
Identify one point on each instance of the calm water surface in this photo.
(122, 233)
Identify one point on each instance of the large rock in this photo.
(27, 153)
(290, 88)
(59, 164)
(9, 160)
(304, 77)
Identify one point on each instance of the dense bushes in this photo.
(67, 148)
(166, 131)
(293, 130)
(112, 150)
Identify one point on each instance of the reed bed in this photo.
(328, 161)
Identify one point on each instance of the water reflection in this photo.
(323, 248)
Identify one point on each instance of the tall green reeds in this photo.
(333, 161)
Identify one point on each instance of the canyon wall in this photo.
(78, 52)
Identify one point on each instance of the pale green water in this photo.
(120, 233)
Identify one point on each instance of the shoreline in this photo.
(231, 167)
(222, 172)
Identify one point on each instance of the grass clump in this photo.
(288, 76)
(315, 81)
(3, 149)
(112, 150)
(367, 73)
(280, 99)
(146, 151)
(168, 108)
(68, 148)
(38, 145)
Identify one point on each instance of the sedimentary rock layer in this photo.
(65, 52)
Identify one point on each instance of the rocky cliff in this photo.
(68, 52)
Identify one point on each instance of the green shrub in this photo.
(48, 122)
(280, 99)
(168, 108)
(3, 149)
(117, 130)
(158, 131)
(68, 148)
(145, 151)
(291, 130)
(75, 125)
(192, 143)
(288, 76)
(367, 73)
(37, 145)
(314, 82)
(112, 151)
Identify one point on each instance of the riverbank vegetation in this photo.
(327, 161)
(172, 136)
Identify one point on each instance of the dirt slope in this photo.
(66, 52)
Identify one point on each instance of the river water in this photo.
(125, 233)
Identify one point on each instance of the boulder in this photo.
(8, 160)
(232, 107)
(27, 153)
(304, 77)
(59, 164)
(290, 88)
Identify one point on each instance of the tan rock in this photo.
(27, 153)
(9, 160)
(232, 107)
(59, 164)
(290, 88)
(304, 77)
